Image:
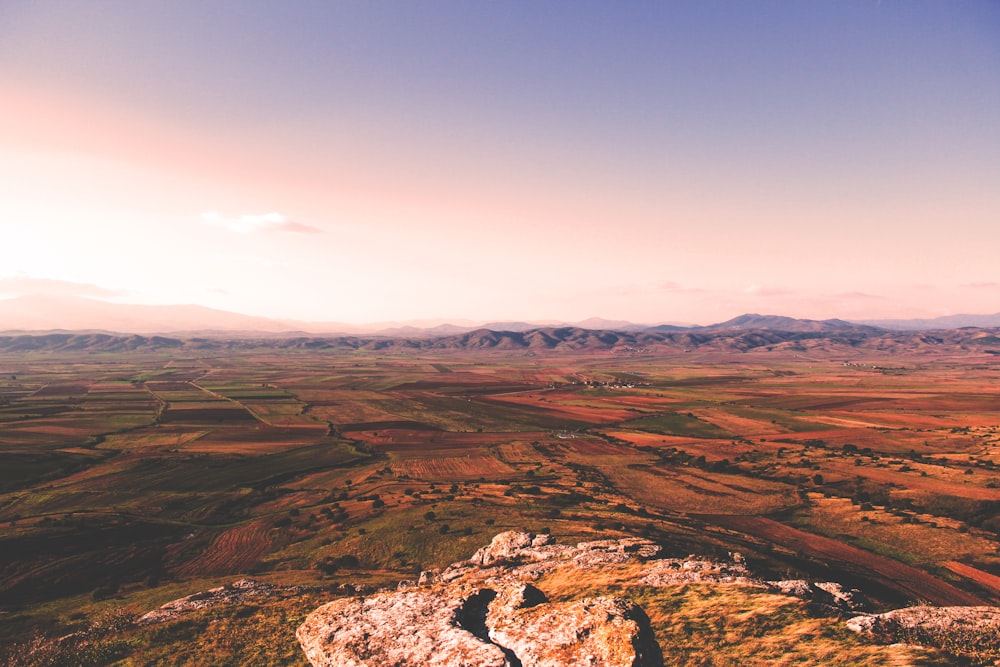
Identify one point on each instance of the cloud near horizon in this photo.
(763, 290)
(255, 223)
(23, 285)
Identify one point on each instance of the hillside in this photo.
(752, 334)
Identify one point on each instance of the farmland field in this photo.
(128, 476)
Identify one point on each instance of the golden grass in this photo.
(926, 543)
(733, 625)
(449, 468)
(683, 491)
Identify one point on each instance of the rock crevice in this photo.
(485, 612)
(491, 610)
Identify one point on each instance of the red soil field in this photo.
(235, 550)
(451, 467)
(591, 447)
(220, 415)
(892, 441)
(61, 390)
(387, 425)
(713, 450)
(915, 583)
(988, 581)
(393, 439)
(591, 415)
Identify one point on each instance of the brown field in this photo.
(593, 414)
(682, 491)
(988, 581)
(159, 438)
(917, 583)
(448, 468)
(922, 538)
(150, 472)
(713, 450)
(947, 481)
(234, 550)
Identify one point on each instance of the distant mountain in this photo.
(753, 321)
(945, 322)
(845, 343)
(670, 327)
(609, 325)
(513, 326)
(48, 313)
(439, 330)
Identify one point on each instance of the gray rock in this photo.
(403, 629)
(490, 609)
(235, 593)
(827, 593)
(508, 547)
(602, 631)
(955, 627)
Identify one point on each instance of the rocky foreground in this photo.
(493, 611)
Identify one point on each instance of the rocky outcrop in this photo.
(493, 609)
(235, 593)
(593, 631)
(962, 630)
(488, 611)
(826, 593)
(401, 628)
(510, 547)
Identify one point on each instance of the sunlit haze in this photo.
(649, 161)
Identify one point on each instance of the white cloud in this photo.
(255, 223)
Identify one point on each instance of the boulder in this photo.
(403, 629)
(963, 630)
(827, 593)
(508, 547)
(594, 632)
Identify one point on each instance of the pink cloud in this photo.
(257, 223)
(298, 227)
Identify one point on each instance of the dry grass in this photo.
(735, 625)
(682, 491)
(449, 468)
(926, 542)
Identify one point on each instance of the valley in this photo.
(136, 473)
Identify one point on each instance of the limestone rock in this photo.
(510, 601)
(235, 593)
(602, 631)
(405, 629)
(675, 571)
(508, 547)
(973, 630)
(485, 611)
(493, 609)
(826, 593)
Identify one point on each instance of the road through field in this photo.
(916, 584)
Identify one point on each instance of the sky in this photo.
(388, 161)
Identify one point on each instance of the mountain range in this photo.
(34, 313)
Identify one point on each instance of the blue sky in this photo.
(375, 161)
